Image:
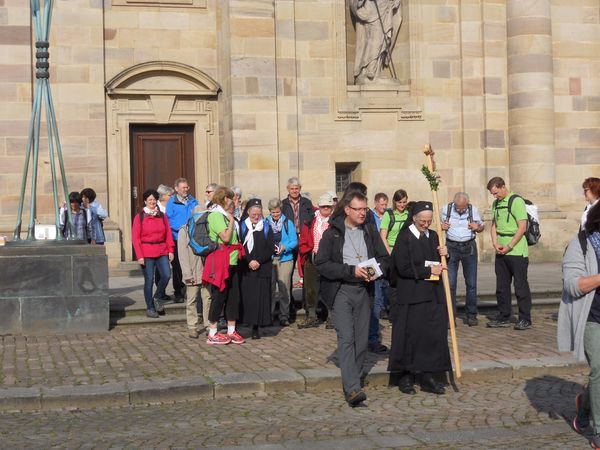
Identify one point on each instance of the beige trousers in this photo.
(195, 293)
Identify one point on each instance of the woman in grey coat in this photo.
(579, 317)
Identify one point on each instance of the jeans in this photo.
(281, 282)
(591, 394)
(467, 255)
(509, 267)
(162, 264)
(381, 302)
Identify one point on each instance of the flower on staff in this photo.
(432, 178)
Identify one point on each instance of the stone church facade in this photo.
(252, 92)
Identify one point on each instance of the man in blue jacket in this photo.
(179, 210)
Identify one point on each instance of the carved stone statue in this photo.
(377, 24)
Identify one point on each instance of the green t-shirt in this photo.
(506, 224)
(216, 224)
(400, 218)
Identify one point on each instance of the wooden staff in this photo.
(438, 228)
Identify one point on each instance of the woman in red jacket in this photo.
(154, 247)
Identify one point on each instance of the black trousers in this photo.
(507, 269)
(229, 299)
(178, 284)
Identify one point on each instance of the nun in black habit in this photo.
(418, 312)
(259, 245)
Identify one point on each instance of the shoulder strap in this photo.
(392, 219)
(470, 213)
(285, 225)
(449, 211)
(582, 241)
(266, 228)
(511, 199)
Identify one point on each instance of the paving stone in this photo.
(148, 392)
(282, 380)
(237, 384)
(23, 399)
(113, 394)
(318, 380)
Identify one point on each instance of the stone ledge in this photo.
(242, 384)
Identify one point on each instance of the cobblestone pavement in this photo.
(508, 415)
(165, 352)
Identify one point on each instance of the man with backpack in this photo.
(509, 225)
(461, 222)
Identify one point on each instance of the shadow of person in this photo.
(555, 397)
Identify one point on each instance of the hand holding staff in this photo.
(433, 183)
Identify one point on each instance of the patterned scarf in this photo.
(276, 226)
(594, 238)
(319, 227)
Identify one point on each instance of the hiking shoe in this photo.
(471, 321)
(152, 314)
(308, 323)
(193, 334)
(218, 339)
(499, 323)
(522, 325)
(158, 306)
(284, 323)
(581, 420)
(355, 398)
(235, 337)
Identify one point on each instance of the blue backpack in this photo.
(244, 229)
(200, 241)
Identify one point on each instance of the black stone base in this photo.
(53, 288)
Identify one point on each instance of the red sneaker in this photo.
(235, 337)
(218, 339)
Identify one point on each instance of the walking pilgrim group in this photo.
(358, 265)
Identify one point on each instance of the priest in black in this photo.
(418, 312)
(259, 245)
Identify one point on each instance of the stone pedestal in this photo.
(49, 287)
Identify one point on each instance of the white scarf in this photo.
(249, 239)
(151, 212)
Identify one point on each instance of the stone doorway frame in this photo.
(165, 93)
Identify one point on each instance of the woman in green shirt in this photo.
(393, 220)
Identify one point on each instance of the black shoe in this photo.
(152, 314)
(178, 298)
(384, 314)
(471, 321)
(378, 348)
(255, 333)
(355, 398)
(522, 325)
(406, 384)
(428, 384)
(499, 323)
(164, 298)
(284, 323)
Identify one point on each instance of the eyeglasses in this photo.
(359, 210)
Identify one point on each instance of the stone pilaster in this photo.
(531, 101)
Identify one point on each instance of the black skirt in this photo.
(419, 338)
(256, 300)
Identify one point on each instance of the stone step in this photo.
(126, 269)
(176, 312)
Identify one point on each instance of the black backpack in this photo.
(532, 231)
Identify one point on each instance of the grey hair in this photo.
(237, 191)
(461, 196)
(274, 203)
(178, 181)
(294, 181)
(163, 189)
(212, 186)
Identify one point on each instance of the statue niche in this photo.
(377, 24)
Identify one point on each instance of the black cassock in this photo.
(256, 284)
(418, 313)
